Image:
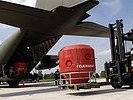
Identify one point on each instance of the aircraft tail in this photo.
(89, 29)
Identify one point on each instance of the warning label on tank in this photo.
(84, 66)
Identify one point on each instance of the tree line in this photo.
(51, 75)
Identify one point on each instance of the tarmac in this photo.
(47, 91)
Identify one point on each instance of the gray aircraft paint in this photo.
(51, 4)
(8, 46)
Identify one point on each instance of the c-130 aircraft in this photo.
(39, 30)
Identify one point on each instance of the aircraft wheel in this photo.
(131, 86)
(13, 84)
(116, 86)
(131, 83)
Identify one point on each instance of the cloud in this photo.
(104, 53)
(0, 42)
(4, 26)
(6, 30)
(114, 5)
(31, 3)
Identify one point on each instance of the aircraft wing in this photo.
(89, 29)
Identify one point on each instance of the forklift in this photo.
(119, 71)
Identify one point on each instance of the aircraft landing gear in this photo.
(13, 84)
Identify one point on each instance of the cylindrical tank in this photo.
(77, 63)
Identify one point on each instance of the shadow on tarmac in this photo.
(32, 92)
(31, 85)
(55, 89)
(98, 92)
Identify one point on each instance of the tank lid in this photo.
(77, 46)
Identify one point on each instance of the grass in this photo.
(46, 80)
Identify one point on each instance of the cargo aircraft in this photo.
(39, 30)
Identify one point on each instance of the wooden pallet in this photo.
(80, 86)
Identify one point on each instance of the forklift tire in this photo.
(131, 86)
(13, 84)
(130, 81)
(116, 86)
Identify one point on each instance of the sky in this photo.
(106, 12)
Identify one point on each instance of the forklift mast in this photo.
(119, 71)
(117, 41)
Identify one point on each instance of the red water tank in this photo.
(77, 63)
(20, 67)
